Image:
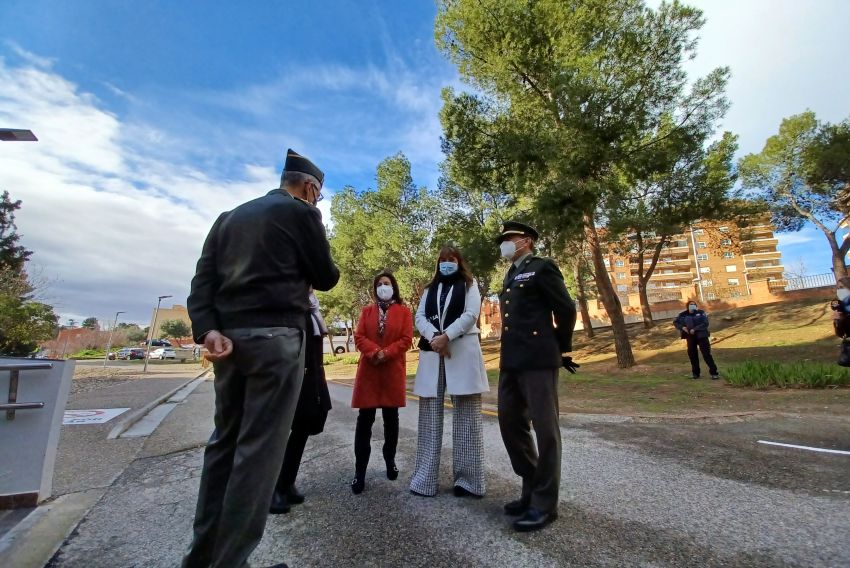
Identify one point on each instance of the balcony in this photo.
(672, 275)
(766, 268)
(760, 242)
(767, 255)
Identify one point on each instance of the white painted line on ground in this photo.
(149, 422)
(809, 448)
(93, 416)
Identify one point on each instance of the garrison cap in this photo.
(295, 162)
(511, 228)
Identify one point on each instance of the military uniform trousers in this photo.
(467, 441)
(256, 390)
(526, 398)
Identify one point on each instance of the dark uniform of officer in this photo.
(532, 294)
(248, 305)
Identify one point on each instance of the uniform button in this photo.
(533, 333)
(506, 328)
(507, 302)
(508, 290)
(506, 315)
(521, 285)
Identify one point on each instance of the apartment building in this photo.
(717, 260)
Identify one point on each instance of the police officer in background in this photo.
(248, 306)
(531, 355)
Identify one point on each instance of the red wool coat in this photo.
(382, 385)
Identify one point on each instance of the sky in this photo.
(153, 117)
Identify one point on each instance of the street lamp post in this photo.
(109, 342)
(150, 332)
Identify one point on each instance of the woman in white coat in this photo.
(450, 360)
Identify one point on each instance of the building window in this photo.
(711, 296)
(723, 229)
(699, 231)
(726, 242)
(733, 282)
(704, 269)
(703, 256)
(606, 262)
(652, 285)
(731, 268)
(728, 255)
(707, 283)
(622, 288)
(619, 263)
(621, 275)
(701, 244)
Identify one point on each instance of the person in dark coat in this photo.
(533, 295)
(693, 325)
(314, 403)
(248, 306)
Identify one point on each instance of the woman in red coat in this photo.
(383, 337)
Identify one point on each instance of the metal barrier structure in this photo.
(35, 394)
(802, 283)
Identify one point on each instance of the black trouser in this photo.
(292, 459)
(527, 397)
(704, 346)
(363, 437)
(256, 390)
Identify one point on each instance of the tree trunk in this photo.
(582, 302)
(625, 358)
(645, 310)
(838, 264)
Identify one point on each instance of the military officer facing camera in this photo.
(533, 292)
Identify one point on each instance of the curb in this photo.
(130, 419)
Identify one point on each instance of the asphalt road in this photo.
(631, 495)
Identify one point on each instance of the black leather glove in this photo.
(568, 364)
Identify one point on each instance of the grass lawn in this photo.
(660, 383)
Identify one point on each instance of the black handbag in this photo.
(844, 354)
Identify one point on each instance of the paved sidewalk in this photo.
(618, 508)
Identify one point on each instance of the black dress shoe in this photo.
(358, 484)
(279, 504)
(293, 496)
(392, 471)
(534, 519)
(464, 492)
(516, 508)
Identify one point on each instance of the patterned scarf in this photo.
(383, 308)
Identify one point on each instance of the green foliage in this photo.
(389, 227)
(802, 174)
(351, 359)
(802, 374)
(175, 329)
(136, 334)
(90, 323)
(88, 354)
(12, 254)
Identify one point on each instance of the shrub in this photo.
(802, 374)
(88, 354)
(351, 359)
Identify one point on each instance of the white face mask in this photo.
(385, 292)
(843, 294)
(508, 249)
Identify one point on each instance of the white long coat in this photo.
(465, 373)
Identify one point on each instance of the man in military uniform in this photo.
(533, 292)
(248, 306)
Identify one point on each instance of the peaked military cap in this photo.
(510, 228)
(295, 162)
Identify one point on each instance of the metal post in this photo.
(696, 260)
(109, 341)
(150, 332)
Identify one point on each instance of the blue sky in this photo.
(155, 116)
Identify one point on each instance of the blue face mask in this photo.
(448, 268)
(692, 308)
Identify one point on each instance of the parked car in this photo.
(339, 345)
(130, 353)
(163, 353)
(157, 343)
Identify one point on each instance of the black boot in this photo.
(293, 495)
(279, 505)
(390, 441)
(362, 448)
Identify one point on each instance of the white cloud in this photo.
(110, 226)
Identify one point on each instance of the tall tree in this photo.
(175, 329)
(12, 254)
(799, 175)
(389, 227)
(571, 91)
(696, 185)
(90, 323)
